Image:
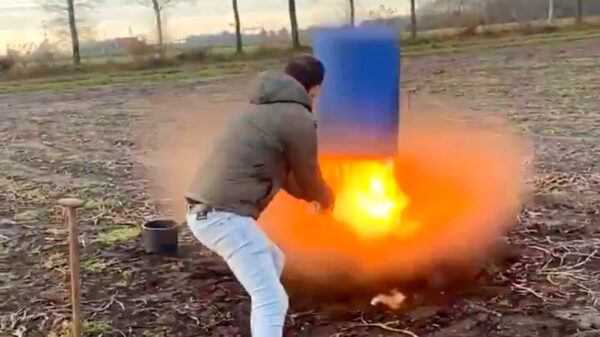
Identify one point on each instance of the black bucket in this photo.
(160, 237)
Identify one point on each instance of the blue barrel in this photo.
(358, 109)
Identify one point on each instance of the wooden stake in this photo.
(70, 208)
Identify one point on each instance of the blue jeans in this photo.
(255, 261)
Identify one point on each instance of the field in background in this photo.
(180, 65)
(90, 142)
(565, 24)
(215, 50)
(122, 77)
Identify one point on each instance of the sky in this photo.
(22, 21)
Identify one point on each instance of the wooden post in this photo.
(70, 208)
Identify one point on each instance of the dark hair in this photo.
(307, 70)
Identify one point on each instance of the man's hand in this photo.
(326, 203)
(316, 207)
(319, 208)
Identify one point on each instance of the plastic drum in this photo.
(358, 109)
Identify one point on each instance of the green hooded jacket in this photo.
(270, 145)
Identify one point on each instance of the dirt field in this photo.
(95, 144)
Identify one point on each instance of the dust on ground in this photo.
(96, 143)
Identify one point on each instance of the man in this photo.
(270, 145)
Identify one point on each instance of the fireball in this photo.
(443, 199)
(368, 198)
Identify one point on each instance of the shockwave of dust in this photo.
(463, 175)
(179, 135)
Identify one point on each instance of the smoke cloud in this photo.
(462, 173)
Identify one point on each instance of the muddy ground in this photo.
(94, 143)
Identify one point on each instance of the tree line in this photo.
(67, 12)
(444, 13)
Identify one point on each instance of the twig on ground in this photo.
(119, 303)
(585, 261)
(43, 322)
(564, 264)
(141, 300)
(103, 307)
(20, 331)
(484, 309)
(144, 310)
(119, 331)
(386, 326)
(111, 301)
(531, 291)
(195, 319)
(300, 314)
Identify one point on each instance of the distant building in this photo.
(128, 44)
(259, 36)
(397, 23)
(112, 47)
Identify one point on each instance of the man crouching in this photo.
(270, 145)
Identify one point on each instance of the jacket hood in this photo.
(277, 87)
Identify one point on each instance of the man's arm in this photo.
(299, 140)
(291, 186)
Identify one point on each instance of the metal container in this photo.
(358, 107)
(160, 236)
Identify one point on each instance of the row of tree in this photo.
(578, 11)
(68, 9)
(444, 13)
(485, 8)
(428, 7)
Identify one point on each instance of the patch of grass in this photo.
(91, 328)
(126, 278)
(95, 327)
(35, 196)
(153, 332)
(107, 204)
(90, 188)
(125, 233)
(91, 205)
(95, 265)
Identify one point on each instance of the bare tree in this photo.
(74, 34)
(294, 25)
(434, 14)
(158, 7)
(486, 12)
(238, 30)
(65, 15)
(413, 19)
(352, 15)
(550, 11)
(579, 12)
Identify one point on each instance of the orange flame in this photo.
(445, 198)
(368, 198)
